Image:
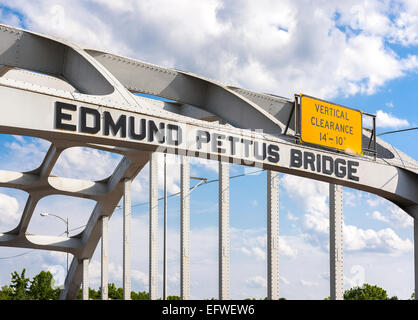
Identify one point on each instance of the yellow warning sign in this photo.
(330, 125)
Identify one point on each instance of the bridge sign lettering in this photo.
(331, 125)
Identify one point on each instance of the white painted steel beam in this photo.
(104, 258)
(165, 231)
(223, 230)
(416, 257)
(102, 82)
(129, 166)
(272, 235)
(153, 226)
(86, 279)
(127, 239)
(413, 211)
(185, 228)
(336, 242)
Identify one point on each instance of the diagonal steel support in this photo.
(336, 241)
(89, 238)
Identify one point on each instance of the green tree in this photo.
(19, 286)
(141, 295)
(6, 293)
(95, 295)
(42, 287)
(115, 293)
(367, 292)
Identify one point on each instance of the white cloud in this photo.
(352, 198)
(9, 207)
(58, 273)
(387, 120)
(375, 201)
(396, 217)
(19, 138)
(141, 277)
(284, 280)
(389, 213)
(286, 249)
(256, 252)
(407, 24)
(281, 47)
(357, 277)
(86, 163)
(278, 46)
(378, 216)
(291, 217)
(245, 251)
(312, 197)
(259, 253)
(24, 154)
(400, 218)
(309, 283)
(9, 18)
(253, 243)
(256, 282)
(58, 256)
(385, 240)
(211, 165)
(310, 194)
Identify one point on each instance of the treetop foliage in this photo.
(42, 287)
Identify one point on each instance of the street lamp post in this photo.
(202, 180)
(66, 225)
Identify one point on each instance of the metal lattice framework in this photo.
(49, 86)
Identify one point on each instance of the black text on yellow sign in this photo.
(330, 125)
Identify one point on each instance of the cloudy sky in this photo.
(360, 54)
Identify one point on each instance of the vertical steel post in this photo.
(185, 228)
(416, 256)
(127, 239)
(374, 140)
(85, 279)
(272, 235)
(68, 235)
(223, 230)
(165, 231)
(105, 269)
(153, 225)
(336, 241)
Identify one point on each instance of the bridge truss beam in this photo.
(103, 83)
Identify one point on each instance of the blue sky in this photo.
(364, 56)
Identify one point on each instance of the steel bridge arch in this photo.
(37, 71)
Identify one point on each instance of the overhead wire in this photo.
(199, 184)
(194, 187)
(396, 131)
